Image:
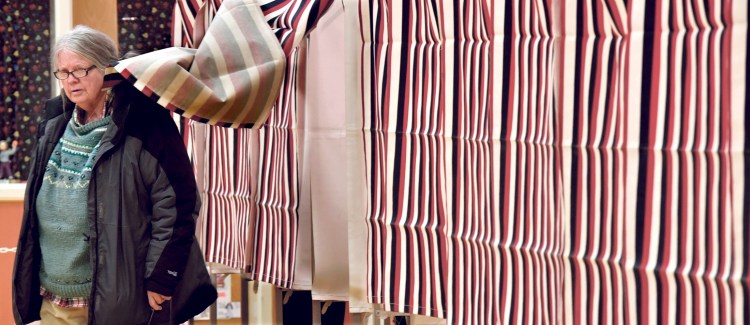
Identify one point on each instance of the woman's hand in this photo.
(155, 299)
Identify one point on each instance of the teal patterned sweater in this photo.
(61, 210)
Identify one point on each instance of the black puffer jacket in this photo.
(142, 206)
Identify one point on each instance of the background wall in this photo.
(11, 207)
(144, 25)
(26, 35)
(101, 15)
(24, 71)
(25, 39)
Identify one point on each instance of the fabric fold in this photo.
(231, 79)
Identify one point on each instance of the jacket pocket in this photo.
(164, 316)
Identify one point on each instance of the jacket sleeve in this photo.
(175, 204)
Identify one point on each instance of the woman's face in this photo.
(86, 92)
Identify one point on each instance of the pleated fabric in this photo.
(185, 28)
(250, 178)
(653, 211)
(274, 240)
(224, 164)
(555, 161)
(436, 172)
(292, 20)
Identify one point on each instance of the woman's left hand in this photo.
(155, 299)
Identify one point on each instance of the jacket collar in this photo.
(124, 94)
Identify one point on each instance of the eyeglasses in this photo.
(80, 73)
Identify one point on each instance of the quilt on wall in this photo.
(556, 161)
(25, 74)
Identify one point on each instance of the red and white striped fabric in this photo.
(224, 167)
(273, 241)
(292, 20)
(249, 178)
(556, 161)
(657, 120)
(462, 208)
(184, 22)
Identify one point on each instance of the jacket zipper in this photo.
(95, 243)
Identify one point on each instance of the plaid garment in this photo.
(65, 302)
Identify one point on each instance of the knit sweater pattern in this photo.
(61, 209)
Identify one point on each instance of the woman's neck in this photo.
(86, 116)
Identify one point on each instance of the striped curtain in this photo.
(556, 161)
(249, 178)
(293, 20)
(273, 242)
(184, 20)
(657, 172)
(464, 204)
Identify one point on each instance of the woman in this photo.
(109, 214)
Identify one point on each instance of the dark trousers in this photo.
(5, 171)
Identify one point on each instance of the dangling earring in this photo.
(78, 115)
(108, 102)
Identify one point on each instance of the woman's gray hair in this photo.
(92, 45)
(89, 43)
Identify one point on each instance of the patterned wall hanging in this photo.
(25, 74)
(144, 25)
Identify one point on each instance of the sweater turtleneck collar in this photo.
(82, 129)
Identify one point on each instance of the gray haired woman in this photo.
(107, 235)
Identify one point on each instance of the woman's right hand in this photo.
(155, 300)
